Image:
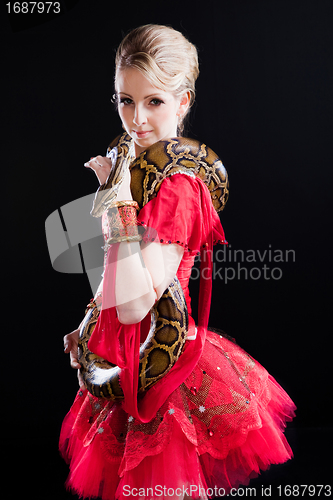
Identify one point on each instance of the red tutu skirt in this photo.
(213, 433)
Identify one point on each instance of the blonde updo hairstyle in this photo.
(165, 57)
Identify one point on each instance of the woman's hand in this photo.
(101, 166)
(71, 347)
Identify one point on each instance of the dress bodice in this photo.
(184, 274)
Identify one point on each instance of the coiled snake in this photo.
(169, 316)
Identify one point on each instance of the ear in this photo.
(184, 104)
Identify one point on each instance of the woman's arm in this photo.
(142, 276)
(143, 272)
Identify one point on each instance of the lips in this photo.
(142, 134)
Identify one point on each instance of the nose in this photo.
(140, 117)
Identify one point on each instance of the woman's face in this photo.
(148, 114)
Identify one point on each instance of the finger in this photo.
(99, 159)
(98, 163)
(74, 361)
(75, 364)
(67, 344)
(103, 161)
(80, 379)
(93, 165)
(88, 164)
(94, 159)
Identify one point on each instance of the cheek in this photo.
(166, 115)
(124, 114)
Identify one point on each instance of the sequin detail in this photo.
(189, 173)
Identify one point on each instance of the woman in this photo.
(217, 417)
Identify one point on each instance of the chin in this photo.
(145, 143)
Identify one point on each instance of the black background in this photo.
(264, 104)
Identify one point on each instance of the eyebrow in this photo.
(146, 97)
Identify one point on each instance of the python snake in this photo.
(169, 316)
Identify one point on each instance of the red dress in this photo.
(211, 423)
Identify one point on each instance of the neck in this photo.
(138, 149)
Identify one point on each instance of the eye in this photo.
(125, 100)
(156, 102)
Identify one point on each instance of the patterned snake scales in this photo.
(169, 316)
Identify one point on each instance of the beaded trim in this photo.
(146, 238)
(189, 173)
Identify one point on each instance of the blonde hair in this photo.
(164, 56)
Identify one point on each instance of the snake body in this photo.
(169, 316)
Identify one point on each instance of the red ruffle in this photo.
(220, 427)
(175, 215)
